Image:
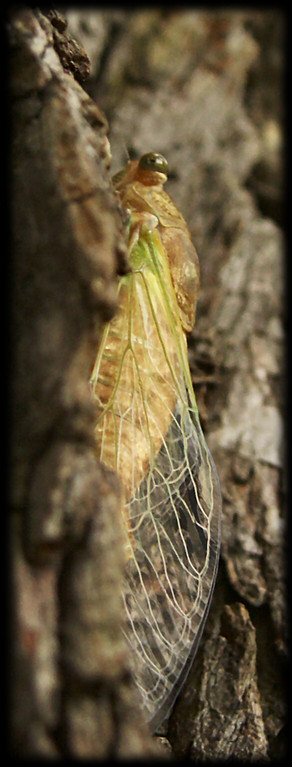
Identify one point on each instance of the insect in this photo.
(148, 431)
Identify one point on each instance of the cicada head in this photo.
(150, 170)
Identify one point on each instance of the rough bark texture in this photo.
(205, 90)
(71, 683)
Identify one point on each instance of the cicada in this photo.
(148, 431)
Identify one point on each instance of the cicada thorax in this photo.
(141, 191)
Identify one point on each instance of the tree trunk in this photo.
(202, 88)
(73, 694)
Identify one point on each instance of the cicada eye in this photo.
(153, 161)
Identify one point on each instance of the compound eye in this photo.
(153, 161)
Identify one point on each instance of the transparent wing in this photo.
(175, 522)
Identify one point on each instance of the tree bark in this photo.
(202, 88)
(73, 694)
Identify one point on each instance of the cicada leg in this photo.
(141, 223)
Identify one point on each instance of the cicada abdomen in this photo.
(148, 431)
